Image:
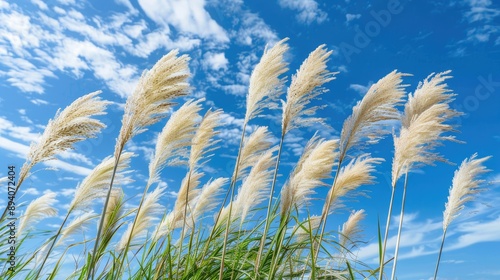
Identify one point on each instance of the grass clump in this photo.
(204, 236)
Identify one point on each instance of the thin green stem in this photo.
(184, 219)
(386, 234)
(22, 176)
(439, 255)
(269, 204)
(281, 236)
(129, 239)
(324, 216)
(401, 216)
(231, 189)
(93, 260)
(52, 245)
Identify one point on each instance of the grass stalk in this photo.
(120, 265)
(400, 227)
(269, 204)
(439, 255)
(231, 190)
(184, 219)
(93, 260)
(324, 216)
(386, 234)
(51, 246)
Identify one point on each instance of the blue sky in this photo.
(52, 52)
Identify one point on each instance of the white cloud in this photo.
(67, 2)
(361, 89)
(20, 149)
(4, 4)
(31, 191)
(481, 17)
(136, 29)
(38, 101)
(186, 16)
(146, 148)
(26, 135)
(253, 28)
(215, 61)
(342, 69)
(480, 10)
(351, 17)
(23, 133)
(308, 10)
(129, 5)
(239, 90)
(423, 237)
(35, 47)
(40, 4)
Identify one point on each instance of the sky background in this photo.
(52, 52)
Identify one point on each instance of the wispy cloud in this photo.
(186, 16)
(308, 10)
(421, 237)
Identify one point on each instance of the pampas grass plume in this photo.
(353, 175)
(175, 218)
(253, 146)
(377, 106)
(69, 126)
(423, 125)
(266, 85)
(303, 231)
(175, 137)
(203, 142)
(37, 210)
(145, 218)
(77, 224)
(94, 186)
(254, 188)
(314, 165)
(206, 200)
(350, 229)
(465, 185)
(153, 96)
(306, 86)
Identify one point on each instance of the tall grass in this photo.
(251, 233)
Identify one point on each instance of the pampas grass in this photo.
(247, 239)
(465, 185)
(303, 231)
(368, 122)
(94, 186)
(356, 173)
(253, 189)
(423, 127)
(144, 220)
(203, 141)
(266, 83)
(259, 141)
(114, 213)
(175, 138)
(305, 87)
(73, 124)
(313, 167)
(350, 229)
(377, 106)
(148, 104)
(174, 219)
(207, 198)
(38, 209)
(153, 96)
